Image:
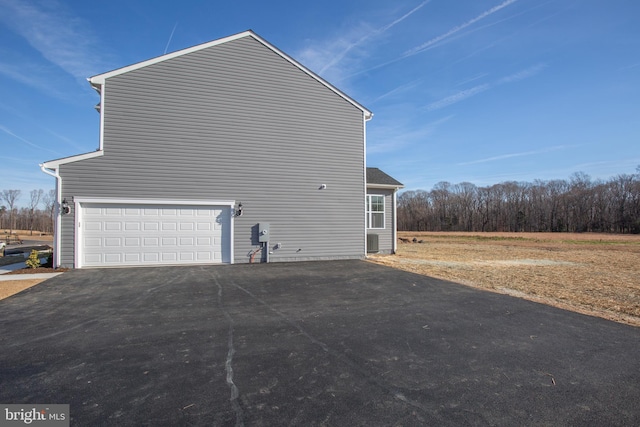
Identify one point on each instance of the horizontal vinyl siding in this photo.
(234, 122)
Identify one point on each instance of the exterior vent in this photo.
(372, 243)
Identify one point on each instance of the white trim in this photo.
(78, 201)
(103, 93)
(369, 212)
(100, 78)
(98, 81)
(154, 201)
(394, 234)
(385, 186)
(368, 115)
(364, 153)
(54, 164)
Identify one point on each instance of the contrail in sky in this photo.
(8, 132)
(342, 54)
(455, 29)
(170, 37)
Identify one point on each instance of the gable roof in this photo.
(377, 178)
(99, 80)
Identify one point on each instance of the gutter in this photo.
(56, 229)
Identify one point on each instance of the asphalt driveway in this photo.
(342, 343)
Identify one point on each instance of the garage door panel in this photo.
(150, 226)
(151, 256)
(169, 241)
(93, 225)
(135, 257)
(169, 256)
(93, 259)
(93, 242)
(140, 235)
(151, 241)
(204, 241)
(112, 226)
(113, 258)
(169, 226)
(186, 241)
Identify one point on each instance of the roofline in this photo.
(391, 186)
(54, 164)
(98, 80)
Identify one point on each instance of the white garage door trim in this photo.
(82, 203)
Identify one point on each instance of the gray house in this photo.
(225, 152)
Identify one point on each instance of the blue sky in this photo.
(483, 91)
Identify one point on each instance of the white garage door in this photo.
(132, 234)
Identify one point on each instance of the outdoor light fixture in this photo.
(239, 209)
(65, 209)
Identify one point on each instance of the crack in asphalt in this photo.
(235, 392)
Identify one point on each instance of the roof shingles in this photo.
(376, 176)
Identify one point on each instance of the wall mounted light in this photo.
(323, 187)
(65, 209)
(239, 209)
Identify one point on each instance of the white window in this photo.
(375, 211)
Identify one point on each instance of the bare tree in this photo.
(36, 196)
(49, 200)
(10, 197)
(579, 204)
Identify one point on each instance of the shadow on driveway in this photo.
(341, 343)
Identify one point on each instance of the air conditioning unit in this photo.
(372, 243)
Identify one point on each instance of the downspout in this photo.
(57, 226)
(365, 118)
(394, 245)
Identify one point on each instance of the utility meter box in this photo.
(263, 232)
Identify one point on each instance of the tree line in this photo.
(36, 215)
(578, 204)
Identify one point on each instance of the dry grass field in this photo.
(595, 274)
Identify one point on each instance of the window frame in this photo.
(370, 213)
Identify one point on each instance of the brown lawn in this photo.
(595, 274)
(11, 287)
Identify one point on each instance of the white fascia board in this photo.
(121, 201)
(385, 186)
(100, 78)
(54, 164)
(98, 81)
(367, 114)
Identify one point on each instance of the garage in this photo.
(153, 233)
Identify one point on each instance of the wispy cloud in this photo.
(402, 88)
(471, 79)
(37, 77)
(325, 57)
(26, 141)
(394, 137)
(446, 37)
(468, 93)
(457, 97)
(61, 37)
(512, 155)
(629, 67)
(434, 41)
(524, 74)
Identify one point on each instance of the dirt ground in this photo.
(12, 287)
(595, 274)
